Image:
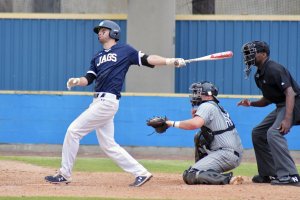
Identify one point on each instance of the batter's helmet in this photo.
(114, 29)
(250, 50)
(202, 88)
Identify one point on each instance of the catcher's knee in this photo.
(189, 176)
(193, 176)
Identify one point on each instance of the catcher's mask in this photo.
(250, 50)
(112, 26)
(202, 88)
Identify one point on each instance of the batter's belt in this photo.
(106, 95)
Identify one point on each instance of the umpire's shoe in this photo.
(140, 180)
(58, 178)
(287, 180)
(262, 179)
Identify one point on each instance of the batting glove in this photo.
(177, 62)
(72, 82)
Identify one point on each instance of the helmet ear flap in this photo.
(114, 34)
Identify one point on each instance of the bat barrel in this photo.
(215, 56)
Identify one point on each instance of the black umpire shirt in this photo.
(273, 79)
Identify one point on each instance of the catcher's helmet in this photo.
(114, 29)
(250, 50)
(202, 88)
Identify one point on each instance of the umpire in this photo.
(274, 162)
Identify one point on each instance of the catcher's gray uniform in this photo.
(225, 152)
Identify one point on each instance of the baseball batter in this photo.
(108, 69)
(218, 147)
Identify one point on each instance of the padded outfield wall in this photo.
(37, 56)
(43, 118)
(41, 51)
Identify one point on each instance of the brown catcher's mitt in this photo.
(158, 123)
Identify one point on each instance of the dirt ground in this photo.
(19, 179)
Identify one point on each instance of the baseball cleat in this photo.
(287, 180)
(236, 180)
(140, 180)
(262, 179)
(58, 178)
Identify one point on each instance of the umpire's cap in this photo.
(114, 28)
(261, 46)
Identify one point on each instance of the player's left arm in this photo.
(190, 124)
(289, 103)
(286, 86)
(156, 60)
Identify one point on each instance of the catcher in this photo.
(218, 147)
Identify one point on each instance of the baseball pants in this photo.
(99, 116)
(271, 148)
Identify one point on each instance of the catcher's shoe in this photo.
(58, 178)
(140, 180)
(236, 180)
(287, 180)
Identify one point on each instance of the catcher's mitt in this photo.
(158, 123)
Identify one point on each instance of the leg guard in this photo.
(210, 177)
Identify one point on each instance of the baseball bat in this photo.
(214, 56)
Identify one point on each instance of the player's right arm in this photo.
(82, 81)
(262, 102)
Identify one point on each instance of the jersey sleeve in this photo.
(92, 69)
(134, 56)
(283, 78)
(205, 112)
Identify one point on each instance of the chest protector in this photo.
(205, 136)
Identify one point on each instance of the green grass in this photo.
(61, 198)
(107, 165)
(50, 198)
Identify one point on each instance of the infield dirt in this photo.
(20, 179)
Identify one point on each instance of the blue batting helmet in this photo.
(112, 26)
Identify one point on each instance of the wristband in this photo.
(170, 61)
(176, 124)
(172, 123)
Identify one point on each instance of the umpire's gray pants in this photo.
(270, 146)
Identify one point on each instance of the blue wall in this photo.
(41, 54)
(202, 37)
(43, 119)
